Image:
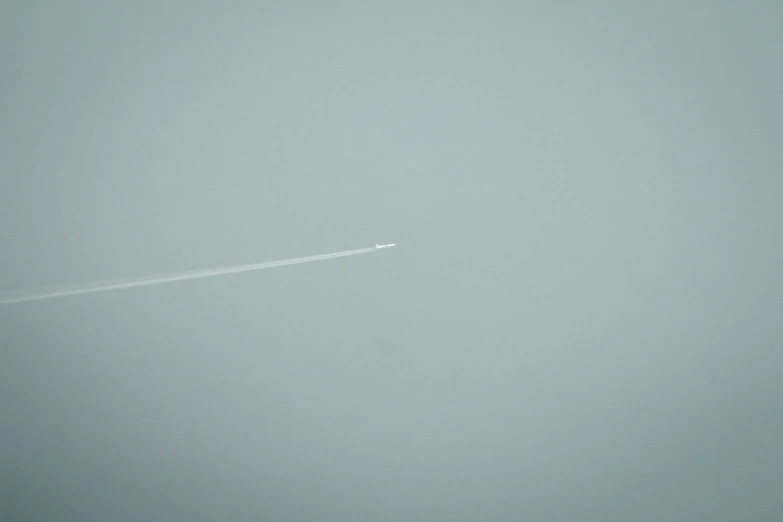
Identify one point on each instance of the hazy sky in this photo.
(582, 320)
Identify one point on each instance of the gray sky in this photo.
(581, 320)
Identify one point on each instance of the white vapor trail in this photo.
(182, 276)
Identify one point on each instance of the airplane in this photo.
(385, 246)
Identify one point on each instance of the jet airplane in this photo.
(385, 246)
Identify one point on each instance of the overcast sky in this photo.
(581, 320)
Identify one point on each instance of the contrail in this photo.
(182, 276)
